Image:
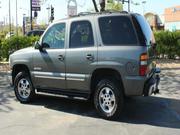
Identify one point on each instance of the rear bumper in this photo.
(151, 85)
(142, 85)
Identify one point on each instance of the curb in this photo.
(5, 73)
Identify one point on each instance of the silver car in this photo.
(104, 57)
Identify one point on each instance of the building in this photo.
(154, 21)
(172, 18)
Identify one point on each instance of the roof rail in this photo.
(96, 13)
(114, 11)
(85, 13)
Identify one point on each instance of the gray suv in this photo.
(104, 57)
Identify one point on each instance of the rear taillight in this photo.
(143, 64)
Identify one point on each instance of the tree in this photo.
(95, 5)
(114, 5)
(111, 5)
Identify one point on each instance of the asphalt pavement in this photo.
(154, 115)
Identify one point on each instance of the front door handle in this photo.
(61, 57)
(89, 57)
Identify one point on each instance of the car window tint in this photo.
(146, 29)
(117, 30)
(81, 35)
(55, 36)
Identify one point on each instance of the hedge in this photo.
(168, 44)
(15, 43)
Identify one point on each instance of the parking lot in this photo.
(155, 115)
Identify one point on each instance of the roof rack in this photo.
(115, 11)
(86, 13)
(98, 13)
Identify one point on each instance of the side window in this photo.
(55, 37)
(117, 30)
(81, 34)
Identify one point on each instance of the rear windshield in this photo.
(146, 30)
(117, 30)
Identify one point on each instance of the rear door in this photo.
(119, 48)
(81, 55)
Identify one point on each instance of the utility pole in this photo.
(129, 6)
(31, 14)
(16, 20)
(48, 9)
(24, 24)
(10, 17)
(143, 3)
(127, 1)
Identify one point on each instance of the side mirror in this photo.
(42, 46)
(37, 45)
(45, 45)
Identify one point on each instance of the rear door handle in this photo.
(61, 57)
(89, 57)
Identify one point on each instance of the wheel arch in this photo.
(105, 73)
(19, 68)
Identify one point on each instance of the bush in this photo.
(168, 44)
(15, 43)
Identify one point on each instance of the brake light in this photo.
(143, 64)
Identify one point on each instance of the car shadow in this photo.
(155, 111)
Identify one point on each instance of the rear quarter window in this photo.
(117, 30)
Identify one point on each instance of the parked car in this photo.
(105, 57)
(35, 33)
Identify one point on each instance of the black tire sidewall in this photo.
(118, 96)
(18, 77)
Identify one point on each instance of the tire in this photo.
(23, 88)
(108, 99)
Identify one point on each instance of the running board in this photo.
(62, 94)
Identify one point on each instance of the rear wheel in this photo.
(23, 87)
(108, 99)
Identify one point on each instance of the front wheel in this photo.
(23, 87)
(108, 99)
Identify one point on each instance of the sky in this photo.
(60, 8)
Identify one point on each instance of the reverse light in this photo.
(143, 64)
